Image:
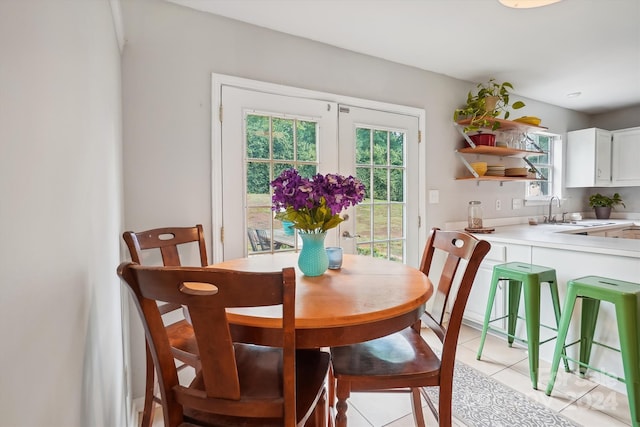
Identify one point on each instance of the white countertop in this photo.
(556, 236)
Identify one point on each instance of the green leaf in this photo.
(517, 105)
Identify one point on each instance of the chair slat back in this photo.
(463, 255)
(167, 240)
(207, 292)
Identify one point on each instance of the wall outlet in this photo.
(516, 204)
(498, 204)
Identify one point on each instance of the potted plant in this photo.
(491, 100)
(603, 204)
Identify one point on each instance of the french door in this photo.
(264, 133)
(381, 149)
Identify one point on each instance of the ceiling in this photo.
(586, 46)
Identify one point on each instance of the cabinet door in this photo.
(603, 158)
(477, 302)
(626, 157)
(588, 161)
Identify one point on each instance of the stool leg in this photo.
(515, 289)
(487, 314)
(590, 308)
(628, 329)
(555, 297)
(532, 312)
(563, 328)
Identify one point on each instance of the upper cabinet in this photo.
(625, 156)
(588, 158)
(602, 158)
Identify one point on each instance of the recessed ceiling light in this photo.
(574, 94)
(526, 4)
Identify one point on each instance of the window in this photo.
(548, 165)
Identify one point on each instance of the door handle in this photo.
(348, 235)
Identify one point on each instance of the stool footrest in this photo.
(615, 377)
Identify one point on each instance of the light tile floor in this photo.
(585, 402)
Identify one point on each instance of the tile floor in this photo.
(586, 403)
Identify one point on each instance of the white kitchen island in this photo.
(573, 256)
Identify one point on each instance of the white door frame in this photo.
(218, 80)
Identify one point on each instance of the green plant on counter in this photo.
(491, 100)
(598, 200)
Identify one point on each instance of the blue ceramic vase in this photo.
(313, 259)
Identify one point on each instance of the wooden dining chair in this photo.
(404, 361)
(167, 243)
(237, 384)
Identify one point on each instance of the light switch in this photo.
(434, 197)
(516, 204)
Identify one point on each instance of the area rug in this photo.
(480, 401)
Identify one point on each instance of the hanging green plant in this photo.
(490, 101)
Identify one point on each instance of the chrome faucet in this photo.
(551, 219)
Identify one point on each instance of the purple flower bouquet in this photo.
(313, 205)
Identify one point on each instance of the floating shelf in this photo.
(499, 151)
(497, 178)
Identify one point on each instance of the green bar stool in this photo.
(531, 276)
(626, 298)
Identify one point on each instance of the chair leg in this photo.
(343, 391)
(532, 312)
(563, 328)
(590, 308)
(555, 298)
(149, 404)
(515, 289)
(319, 416)
(487, 315)
(628, 324)
(416, 405)
(444, 404)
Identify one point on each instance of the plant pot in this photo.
(602, 212)
(483, 139)
(490, 103)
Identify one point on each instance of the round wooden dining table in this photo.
(367, 298)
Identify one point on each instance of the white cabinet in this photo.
(625, 158)
(588, 157)
(602, 158)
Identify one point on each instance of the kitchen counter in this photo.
(559, 236)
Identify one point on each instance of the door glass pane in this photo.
(282, 139)
(380, 145)
(380, 221)
(363, 146)
(396, 217)
(306, 141)
(258, 132)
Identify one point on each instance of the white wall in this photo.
(170, 54)
(60, 213)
